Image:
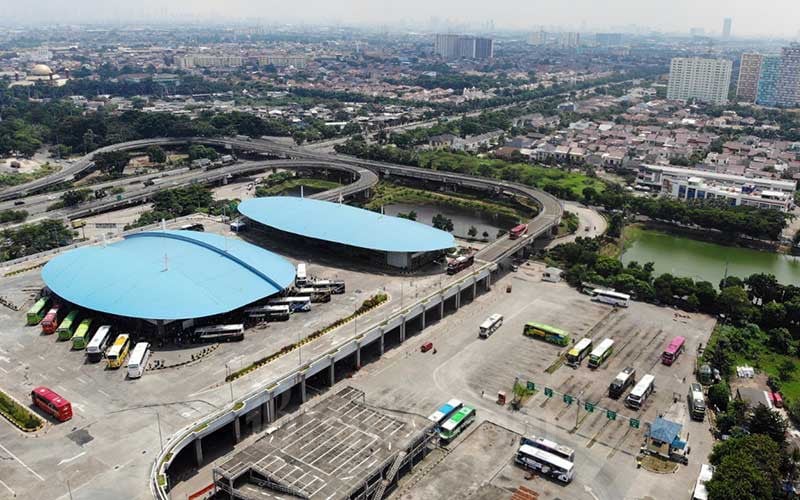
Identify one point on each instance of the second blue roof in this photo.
(346, 225)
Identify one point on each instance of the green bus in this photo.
(37, 311)
(547, 333)
(601, 353)
(82, 337)
(67, 327)
(457, 423)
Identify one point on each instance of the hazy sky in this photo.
(750, 17)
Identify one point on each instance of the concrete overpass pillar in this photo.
(423, 317)
(441, 307)
(358, 357)
(273, 416)
(402, 329)
(332, 372)
(303, 395)
(458, 298)
(198, 451)
(474, 289)
(382, 341)
(237, 429)
(264, 409)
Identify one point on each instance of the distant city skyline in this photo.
(778, 19)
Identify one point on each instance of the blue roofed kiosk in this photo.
(381, 239)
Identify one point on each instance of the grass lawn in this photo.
(291, 184)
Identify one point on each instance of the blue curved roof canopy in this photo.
(346, 225)
(168, 275)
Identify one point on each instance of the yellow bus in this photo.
(116, 354)
(82, 337)
(78, 223)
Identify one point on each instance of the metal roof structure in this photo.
(346, 225)
(168, 275)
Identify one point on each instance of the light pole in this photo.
(230, 382)
(160, 438)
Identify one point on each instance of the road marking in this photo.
(42, 358)
(63, 370)
(4, 370)
(40, 478)
(104, 393)
(68, 460)
(80, 380)
(20, 345)
(14, 493)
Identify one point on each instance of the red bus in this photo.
(50, 321)
(673, 350)
(460, 263)
(518, 231)
(52, 403)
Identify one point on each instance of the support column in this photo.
(303, 388)
(237, 429)
(332, 372)
(474, 289)
(403, 329)
(423, 317)
(382, 341)
(458, 298)
(198, 451)
(358, 357)
(441, 307)
(265, 413)
(271, 410)
(488, 281)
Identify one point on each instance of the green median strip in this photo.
(18, 414)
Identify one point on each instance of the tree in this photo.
(769, 423)
(733, 301)
(75, 197)
(472, 232)
(156, 154)
(412, 215)
(485, 235)
(786, 369)
(442, 222)
(773, 314)
(763, 286)
(747, 467)
(198, 151)
(719, 395)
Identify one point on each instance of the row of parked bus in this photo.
(547, 457)
(451, 419)
(97, 343)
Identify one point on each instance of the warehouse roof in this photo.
(168, 275)
(346, 225)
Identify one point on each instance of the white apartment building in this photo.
(706, 80)
(190, 61)
(692, 184)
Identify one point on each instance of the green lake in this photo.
(700, 260)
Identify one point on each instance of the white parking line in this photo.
(14, 493)
(40, 478)
(80, 380)
(63, 370)
(104, 393)
(4, 370)
(68, 460)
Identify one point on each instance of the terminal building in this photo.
(691, 184)
(345, 230)
(159, 281)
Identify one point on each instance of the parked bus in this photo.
(517, 231)
(578, 352)
(601, 353)
(50, 402)
(37, 311)
(302, 304)
(640, 392)
(546, 332)
(193, 227)
(611, 297)
(97, 346)
(336, 287)
(444, 411)
(706, 473)
(459, 264)
(316, 295)
(138, 362)
(456, 424)
(545, 462)
(67, 327)
(621, 382)
(270, 313)
(556, 449)
(301, 277)
(491, 324)
(116, 354)
(673, 350)
(50, 321)
(78, 223)
(219, 333)
(697, 402)
(82, 337)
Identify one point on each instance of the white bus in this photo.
(491, 324)
(611, 297)
(97, 346)
(556, 449)
(336, 287)
(640, 392)
(580, 351)
(302, 304)
(219, 333)
(138, 360)
(546, 463)
(601, 353)
(316, 295)
(697, 402)
(301, 277)
(706, 473)
(444, 411)
(270, 313)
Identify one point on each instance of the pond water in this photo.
(462, 218)
(701, 260)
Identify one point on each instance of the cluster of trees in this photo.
(198, 151)
(442, 222)
(464, 126)
(7, 216)
(187, 84)
(740, 221)
(172, 203)
(33, 238)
